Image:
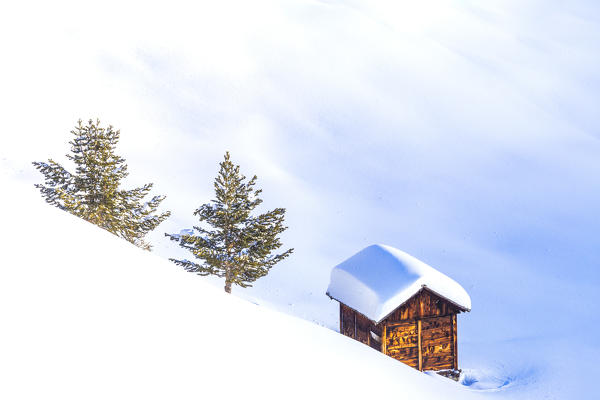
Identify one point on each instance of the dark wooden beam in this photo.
(455, 341)
(383, 339)
(420, 347)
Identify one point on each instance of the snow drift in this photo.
(87, 315)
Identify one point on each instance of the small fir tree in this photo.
(233, 244)
(92, 191)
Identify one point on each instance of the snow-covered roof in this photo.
(378, 279)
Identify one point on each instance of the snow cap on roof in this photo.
(378, 279)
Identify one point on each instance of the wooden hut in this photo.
(400, 306)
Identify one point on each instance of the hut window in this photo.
(375, 337)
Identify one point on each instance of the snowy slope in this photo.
(86, 315)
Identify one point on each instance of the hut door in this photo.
(401, 341)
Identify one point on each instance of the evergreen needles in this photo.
(93, 191)
(233, 243)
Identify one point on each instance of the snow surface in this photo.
(86, 315)
(379, 278)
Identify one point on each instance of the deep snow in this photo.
(87, 315)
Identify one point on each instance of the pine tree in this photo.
(232, 243)
(92, 191)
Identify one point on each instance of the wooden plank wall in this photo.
(402, 343)
(421, 333)
(437, 343)
(363, 327)
(426, 344)
(347, 323)
(422, 305)
(355, 325)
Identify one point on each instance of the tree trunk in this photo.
(227, 279)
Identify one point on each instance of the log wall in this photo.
(402, 343)
(425, 344)
(421, 333)
(422, 305)
(355, 325)
(437, 343)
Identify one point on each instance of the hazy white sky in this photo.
(462, 133)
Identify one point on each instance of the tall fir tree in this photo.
(92, 191)
(232, 243)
